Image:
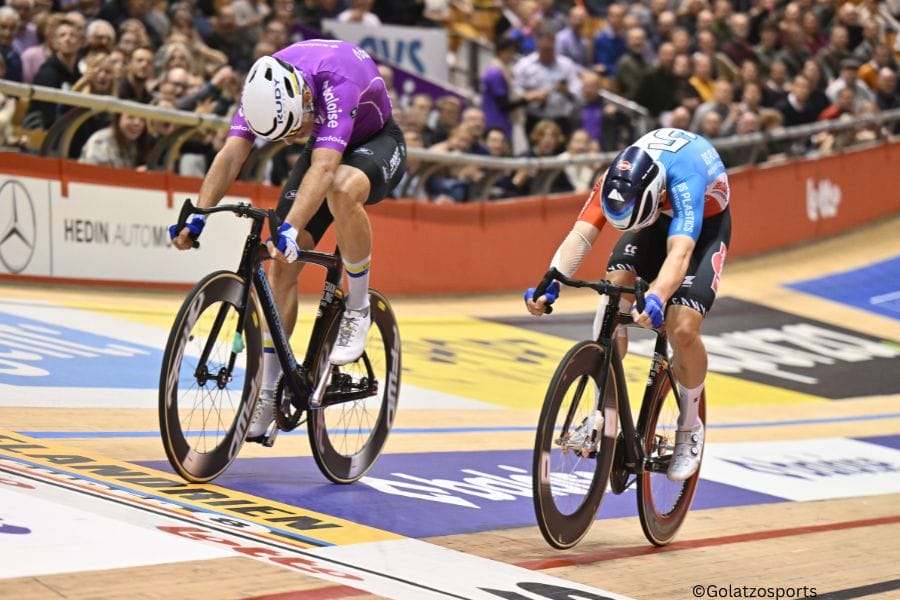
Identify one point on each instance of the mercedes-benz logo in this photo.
(18, 226)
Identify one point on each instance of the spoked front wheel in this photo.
(574, 446)
(210, 377)
(348, 434)
(663, 504)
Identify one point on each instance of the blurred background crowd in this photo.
(716, 67)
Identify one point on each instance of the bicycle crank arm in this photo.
(315, 400)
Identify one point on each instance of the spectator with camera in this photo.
(550, 81)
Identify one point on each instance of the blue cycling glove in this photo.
(550, 295)
(194, 225)
(653, 306)
(287, 242)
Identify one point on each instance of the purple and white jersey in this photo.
(349, 97)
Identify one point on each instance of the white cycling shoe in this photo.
(263, 414)
(687, 454)
(351, 338)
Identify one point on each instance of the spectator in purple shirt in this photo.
(496, 87)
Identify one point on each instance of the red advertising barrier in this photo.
(446, 249)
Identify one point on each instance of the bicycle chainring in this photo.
(288, 410)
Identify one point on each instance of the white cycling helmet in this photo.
(272, 101)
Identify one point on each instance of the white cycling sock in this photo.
(271, 366)
(689, 409)
(358, 283)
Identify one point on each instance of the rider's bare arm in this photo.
(224, 170)
(315, 184)
(222, 173)
(671, 274)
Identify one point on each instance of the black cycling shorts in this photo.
(643, 252)
(382, 158)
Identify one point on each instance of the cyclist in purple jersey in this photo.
(331, 92)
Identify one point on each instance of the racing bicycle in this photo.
(212, 368)
(580, 449)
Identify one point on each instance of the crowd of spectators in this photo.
(716, 67)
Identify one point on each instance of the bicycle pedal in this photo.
(269, 440)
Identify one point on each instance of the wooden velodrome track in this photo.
(827, 524)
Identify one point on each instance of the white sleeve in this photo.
(570, 253)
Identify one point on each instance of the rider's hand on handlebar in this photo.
(539, 307)
(287, 249)
(184, 239)
(653, 315)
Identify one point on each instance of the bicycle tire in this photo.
(564, 513)
(662, 504)
(348, 437)
(193, 395)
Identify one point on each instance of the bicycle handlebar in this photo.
(241, 209)
(601, 287)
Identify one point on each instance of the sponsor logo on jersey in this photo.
(331, 105)
(332, 138)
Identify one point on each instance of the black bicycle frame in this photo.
(635, 455)
(329, 304)
(250, 269)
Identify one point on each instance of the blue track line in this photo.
(435, 430)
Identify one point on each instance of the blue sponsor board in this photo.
(35, 353)
(423, 495)
(875, 288)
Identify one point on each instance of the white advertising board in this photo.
(421, 50)
(104, 232)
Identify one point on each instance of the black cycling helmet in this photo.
(631, 190)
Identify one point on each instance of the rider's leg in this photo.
(346, 199)
(689, 365)
(689, 361)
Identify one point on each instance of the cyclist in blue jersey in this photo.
(668, 192)
(332, 92)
